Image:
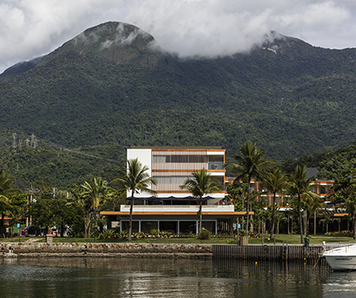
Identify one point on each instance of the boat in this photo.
(341, 256)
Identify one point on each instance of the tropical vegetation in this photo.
(249, 164)
(78, 206)
(345, 194)
(95, 191)
(200, 184)
(300, 188)
(275, 182)
(135, 179)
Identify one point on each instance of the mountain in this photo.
(330, 164)
(19, 68)
(112, 87)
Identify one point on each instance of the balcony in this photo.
(177, 208)
(215, 165)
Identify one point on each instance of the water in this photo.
(112, 277)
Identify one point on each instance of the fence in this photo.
(267, 252)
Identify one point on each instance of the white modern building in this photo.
(172, 166)
(174, 209)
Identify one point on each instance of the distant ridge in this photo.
(19, 68)
(112, 86)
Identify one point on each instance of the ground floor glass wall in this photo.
(174, 227)
(126, 224)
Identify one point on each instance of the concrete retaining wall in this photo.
(155, 250)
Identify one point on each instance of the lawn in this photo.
(280, 239)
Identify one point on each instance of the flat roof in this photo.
(176, 147)
(235, 213)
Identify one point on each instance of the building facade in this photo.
(174, 209)
(170, 167)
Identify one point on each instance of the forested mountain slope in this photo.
(330, 164)
(112, 87)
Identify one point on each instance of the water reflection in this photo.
(99, 277)
(340, 284)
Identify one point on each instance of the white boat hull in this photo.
(341, 262)
(340, 256)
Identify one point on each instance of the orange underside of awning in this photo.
(173, 213)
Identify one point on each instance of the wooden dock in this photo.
(266, 252)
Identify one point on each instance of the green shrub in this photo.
(341, 233)
(155, 232)
(204, 234)
(108, 234)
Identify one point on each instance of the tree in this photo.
(6, 191)
(275, 181)
(42, 208)
(299, 186)
(50, 207)
(237, 193)
(96, 191)
(134, 178)
(345, 193)
(248, 164)
(19, 207)
(280, 216)
(83, 207)
(312, 203)
(200, 184)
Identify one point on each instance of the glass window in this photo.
(170, 180)
(158, 159)
(168, 226)
(198, 158)
(178, 180)
(162, 179)
(216, 158)
(186, 227)
(148, 226)
(126, 224)
(185, 158)
(209, 225)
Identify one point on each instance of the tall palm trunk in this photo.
(87, 223)
(315, 222)
(291, 227)
(200, 213)
(273, 214)
(94, 222)
(248, 208)
(300, 221)
(288, 224)
(131, 208)
(2, 223)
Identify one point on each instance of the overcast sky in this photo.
(31, 28)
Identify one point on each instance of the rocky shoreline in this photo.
(114, 250)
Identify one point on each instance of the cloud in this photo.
(31, 28)
(191, 28)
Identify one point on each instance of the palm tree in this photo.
(5, 191)
(299, 186)
(280, 216)
(249, 164)
(135, 179)
(200, 184)
(312, 203)
(83, 206)
(275, 181)
(96, 191)
(345, 194)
